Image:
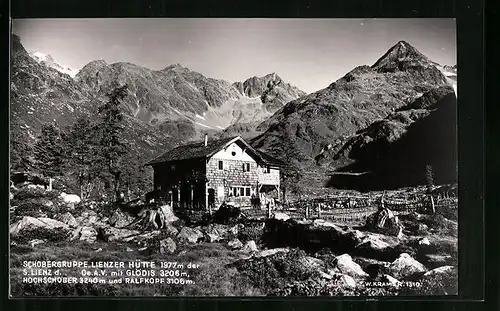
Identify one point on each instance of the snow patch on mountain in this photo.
(49, 61)
(451, 76)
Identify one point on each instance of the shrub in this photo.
(440, 284)
(226, 214)
(449, 212)
(218, 280)
(52, 235)
(441, 225)
(251, 232)
(32, 209)
(275, 271)
(25, 194)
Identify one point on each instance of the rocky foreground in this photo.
(277, 256)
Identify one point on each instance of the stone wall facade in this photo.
(235, 174)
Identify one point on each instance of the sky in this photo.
(307, 53)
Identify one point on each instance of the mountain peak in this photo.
(175, 66)
(403, 43)
(95, 64)
(400, 56)
(42, 57)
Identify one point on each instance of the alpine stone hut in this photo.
(203, 175)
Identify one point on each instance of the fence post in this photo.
(307, 211)
(319, 210)
(432, 205)
(268, 210)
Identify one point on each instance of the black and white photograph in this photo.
(238, 157)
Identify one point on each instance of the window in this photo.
(246, 167)
(241, 191)
(221, 165)
(267, 170)
(233, 153)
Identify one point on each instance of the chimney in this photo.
(206, 140)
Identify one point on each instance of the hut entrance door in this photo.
(211, 196)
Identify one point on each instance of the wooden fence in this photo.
(351, 209)
(345, 209)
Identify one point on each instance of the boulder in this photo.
(434, 260)
(281, 216)
(347, 266)
(167, 246)
(191, 235)
(170, 230)
(142, 238)
(373, 242)
(235, 244)
(120, 219)
(216, 232)
(110, 234)
(439, 271)
(35, 242)
(212, 238)
(384, 221)
(157, 218)
(250, 247)
(405, 266)
(167, 214)
(87, 234)
(347, 281)
(325, 224)
(379, 246)
(68, 219)
(88, 218)
(270, 252)
(356, 236)
(310, 263)
(70, 199)
(424, 241)
(28, 223)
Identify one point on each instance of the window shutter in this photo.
(243, 167)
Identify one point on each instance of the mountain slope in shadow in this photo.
(399, 155)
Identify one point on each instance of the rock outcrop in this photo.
(406, 267)
(167, 246)
(190, 235)
(27, 224)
